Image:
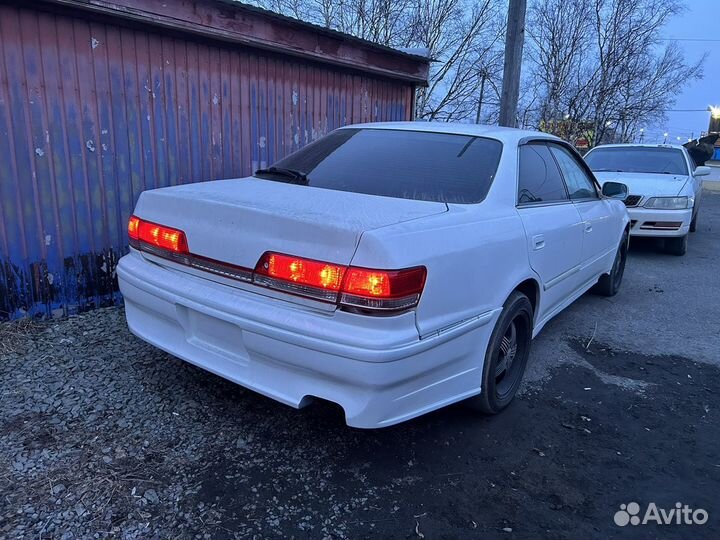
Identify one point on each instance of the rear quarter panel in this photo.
(475, 256)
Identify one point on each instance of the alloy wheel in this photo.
(508, 366)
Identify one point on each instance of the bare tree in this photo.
(462, 36)
(599, 70)
(464, 40)
(560, 32)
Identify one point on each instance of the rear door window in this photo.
(539, 179)
(579, 184)
(404, 164)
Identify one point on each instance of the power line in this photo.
(689, 39)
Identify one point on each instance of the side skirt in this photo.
(565, 303)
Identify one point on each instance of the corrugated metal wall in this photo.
(92, 114)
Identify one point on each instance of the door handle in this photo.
(588, 226)
(538, 242)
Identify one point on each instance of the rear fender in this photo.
(473, 261)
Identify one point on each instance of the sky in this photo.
(698, 22)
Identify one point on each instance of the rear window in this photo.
(637, 159)
(396, 163)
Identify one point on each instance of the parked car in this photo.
(665, 188)
(390, 268)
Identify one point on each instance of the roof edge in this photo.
(243, 24)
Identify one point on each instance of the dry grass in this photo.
(14, 333)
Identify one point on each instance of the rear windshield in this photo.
(638, 160)
(396, 163)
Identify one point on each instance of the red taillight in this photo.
(357, 287)
(162, 237)
(383, 289)
(372, 283)
(384, 283)
(301, 276)
(303, 271)
(133, 225)
(155, 238)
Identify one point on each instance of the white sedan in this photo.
(392, 268)
(665, 188)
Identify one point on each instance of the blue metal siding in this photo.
(92, 114)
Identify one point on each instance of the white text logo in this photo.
(681, 514)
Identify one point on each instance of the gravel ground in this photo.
(103, 436)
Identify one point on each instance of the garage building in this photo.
(100, 100)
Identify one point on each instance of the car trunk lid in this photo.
(236, 221)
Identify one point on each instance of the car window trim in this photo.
(584, 166)
(527, 141)
(542, 203)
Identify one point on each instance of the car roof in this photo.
(633, 145)
(504, 134)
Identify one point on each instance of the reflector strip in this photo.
(221, 269)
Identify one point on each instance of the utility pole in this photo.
(514, 38)
(483, 74)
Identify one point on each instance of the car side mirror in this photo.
(615, 190)
(703, 170)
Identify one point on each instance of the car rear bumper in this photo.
(375, 368)
(661, 223)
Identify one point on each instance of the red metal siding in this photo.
(91, 114)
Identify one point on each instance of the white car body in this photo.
(380, 369)
(642, 187)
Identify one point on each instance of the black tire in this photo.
(676, 246)
(609, 284)
(693, 223)
(510, 340)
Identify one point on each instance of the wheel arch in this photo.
(530, 287)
